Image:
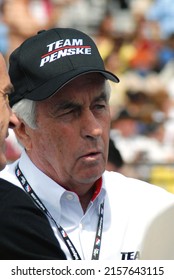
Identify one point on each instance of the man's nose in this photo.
(91, 126)
(13, 121)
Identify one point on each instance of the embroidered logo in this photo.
(63, 48)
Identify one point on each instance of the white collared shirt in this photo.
(130, 206)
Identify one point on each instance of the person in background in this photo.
(7, 118)
(26, 234)
(24, 18)
(61, 97)
(154, 247)
(115, 161)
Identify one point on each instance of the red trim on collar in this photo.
(98, 185)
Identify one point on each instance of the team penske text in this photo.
(64, 48)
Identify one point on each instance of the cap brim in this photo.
(53, 85)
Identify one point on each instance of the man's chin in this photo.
(92, 176)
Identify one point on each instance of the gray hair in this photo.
(108, 89)
(26, 110)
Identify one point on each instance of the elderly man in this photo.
(61, 97)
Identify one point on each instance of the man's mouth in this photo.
(92, 156)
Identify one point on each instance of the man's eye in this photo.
(69, 112)
(74, 111)
(100, 106)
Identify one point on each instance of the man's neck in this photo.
(86, 198)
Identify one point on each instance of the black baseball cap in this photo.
(44, 63)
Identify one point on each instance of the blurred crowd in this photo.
(136, 41)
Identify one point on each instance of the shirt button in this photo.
(82, 226)
(69, 196)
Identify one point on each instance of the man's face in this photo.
(70, 143)
(5, 111)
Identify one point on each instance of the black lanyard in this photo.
(75, 255)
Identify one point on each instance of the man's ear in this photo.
(22, 132)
